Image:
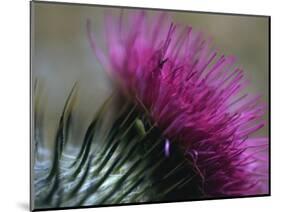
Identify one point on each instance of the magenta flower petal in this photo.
(194, 96)
(167, 147)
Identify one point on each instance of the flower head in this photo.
(193, 95)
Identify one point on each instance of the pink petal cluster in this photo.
(193, 95)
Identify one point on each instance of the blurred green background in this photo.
(61, 55)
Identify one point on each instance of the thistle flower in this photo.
(193, 95)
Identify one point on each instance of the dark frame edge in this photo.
(31, 200)
(147, 8)
(150, 203)
(31, 156)
(269, 105)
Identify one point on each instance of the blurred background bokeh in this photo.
(61, 55)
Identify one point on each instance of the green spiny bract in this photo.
(118, 161)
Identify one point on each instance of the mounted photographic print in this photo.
(137, 106)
